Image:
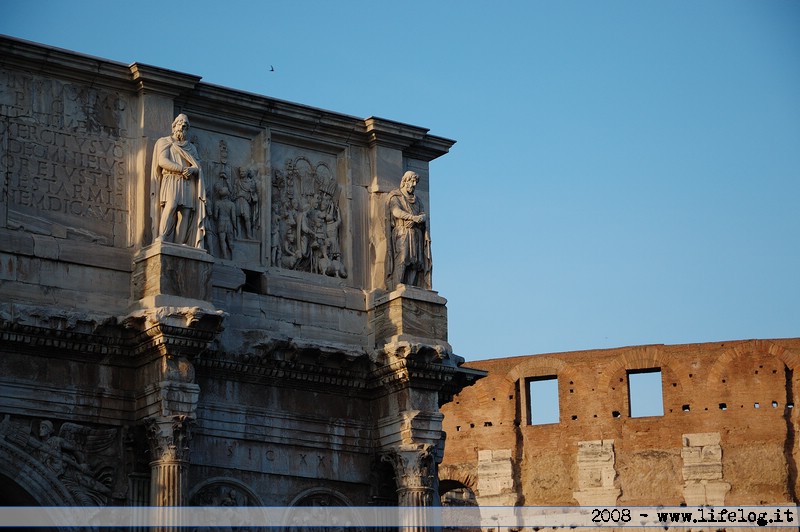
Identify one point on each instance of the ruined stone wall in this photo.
(727, 433)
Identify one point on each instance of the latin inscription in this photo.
(50, 170)
(63, 153)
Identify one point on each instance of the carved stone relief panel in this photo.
(306, 225)
(68, 158)
(84, 458)
(223, 492)
(235, 195)
(310, 505)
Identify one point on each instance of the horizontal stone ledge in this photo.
(65, 250)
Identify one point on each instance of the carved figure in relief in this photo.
(224, 217)
(290, 256)
(178, 188)
(66, 456)
(331, 263)
(246, 203)
(306, 219)
(409, 243)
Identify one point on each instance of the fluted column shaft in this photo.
(168, 482)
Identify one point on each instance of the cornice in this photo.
(414, 141)
(115, 341)
(348, 379)
(49, 61)
(37, 338)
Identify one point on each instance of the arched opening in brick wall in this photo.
(455, 493)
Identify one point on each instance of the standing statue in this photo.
(178, 191)
(409, 242)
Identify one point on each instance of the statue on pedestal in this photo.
(409, 242)
(178, 191)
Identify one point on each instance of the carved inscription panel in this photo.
(65, 158)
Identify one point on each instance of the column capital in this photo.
(414, 465)
(169, 438)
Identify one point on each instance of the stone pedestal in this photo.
(409, 314)
(163, 272)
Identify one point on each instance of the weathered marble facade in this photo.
(269, 362)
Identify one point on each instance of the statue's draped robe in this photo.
(169, 158)
(408, 241)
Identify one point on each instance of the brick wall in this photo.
(727, 433)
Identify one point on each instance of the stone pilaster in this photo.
(597, 474)
(702, 470)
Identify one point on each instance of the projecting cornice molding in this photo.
(162, 81)
(413, 141)
(49, 61)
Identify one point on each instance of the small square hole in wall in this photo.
(644, 392)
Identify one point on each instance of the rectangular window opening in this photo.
(543, 400)
(645, 393)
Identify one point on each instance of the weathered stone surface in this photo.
(596, 473)
(205, 306)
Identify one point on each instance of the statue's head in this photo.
(409, 181)
(45, 428)
(180, 127)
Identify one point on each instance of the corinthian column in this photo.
(415, 471)
(169, 446)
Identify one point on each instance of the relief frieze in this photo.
(306, 218)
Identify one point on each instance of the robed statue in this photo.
(178, 191)
(409, 242)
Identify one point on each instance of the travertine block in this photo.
(596, 473)
(701, 439)
(694, 494)
(712, 453)
(495, 472)
(702, 472)
(716, 492)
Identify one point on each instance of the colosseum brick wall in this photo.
(725, 432)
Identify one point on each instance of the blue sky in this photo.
(626, 172)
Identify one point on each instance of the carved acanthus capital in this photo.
(414, 466)
(169, 438)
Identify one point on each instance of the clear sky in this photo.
(627, 172)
